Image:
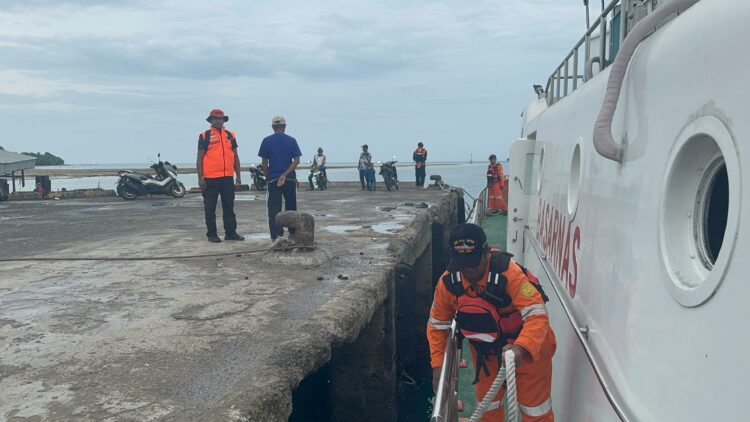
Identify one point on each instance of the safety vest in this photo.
(219, 158)
(420, 156)
(489, 321)
(494, 173)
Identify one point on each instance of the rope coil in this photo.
(511, 408)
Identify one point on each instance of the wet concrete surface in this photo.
(205, 338)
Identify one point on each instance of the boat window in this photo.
(713, 220)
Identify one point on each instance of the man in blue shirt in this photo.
(280, 154)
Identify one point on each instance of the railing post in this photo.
(603, 40)
(575, 69)
(558, 83)
(565, 94)
(624, 12)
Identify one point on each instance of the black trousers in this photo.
(223, 186)
(273, 198)
(420, 173)
(362, 178)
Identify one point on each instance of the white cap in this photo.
(278, 120)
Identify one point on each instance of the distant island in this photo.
(45, 159)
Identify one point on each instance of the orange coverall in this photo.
(534, 374)
(496, 180)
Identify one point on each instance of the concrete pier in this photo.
(200, 336)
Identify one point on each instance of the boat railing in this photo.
(478, 210)
(446, 396)
(607, 32)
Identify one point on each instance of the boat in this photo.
(625, 199)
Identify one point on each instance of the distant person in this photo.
(420, 158)
(365, 159)
(280, 154)
(498, 306)
(370, 177)
(318, 163)
(217, 162)
(495, 186)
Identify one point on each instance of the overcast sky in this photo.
(117, 82)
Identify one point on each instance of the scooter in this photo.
(259, 179)
(390, 175)
(321, 180)
(132, 184)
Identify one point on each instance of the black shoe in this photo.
(234, 236)
(214, 239)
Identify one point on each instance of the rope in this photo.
(512, 402)
(129, 258)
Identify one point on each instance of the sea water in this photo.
(470, 177)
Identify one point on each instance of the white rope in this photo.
(512, 405)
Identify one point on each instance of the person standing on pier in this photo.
(217, 162)
(420, 158)
(280, 153)
(365, 159)
(498, 306)
(495, 186)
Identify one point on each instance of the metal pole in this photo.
(13, 177)
(575, 69)
(566, 77)
(588, 23)
(603, 42)
(23, 179)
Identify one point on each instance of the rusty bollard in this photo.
(303, 226)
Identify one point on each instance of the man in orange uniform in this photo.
(217, 162)
(522, 326)
(495, 182)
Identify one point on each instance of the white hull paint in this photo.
(665, 361)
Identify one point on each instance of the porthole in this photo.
(574, 181)
(699, 210)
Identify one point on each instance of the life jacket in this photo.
(494, 173)
(219, 158)
(489, 321)
(419, 157)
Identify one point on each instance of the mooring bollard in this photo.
(303, 225)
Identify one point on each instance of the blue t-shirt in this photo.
(280, 149)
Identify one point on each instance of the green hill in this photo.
(45, 159)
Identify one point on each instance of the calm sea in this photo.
(470, 177)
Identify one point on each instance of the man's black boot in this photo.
(214, 239)
(234, 236)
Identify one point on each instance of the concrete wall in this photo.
(362, 377)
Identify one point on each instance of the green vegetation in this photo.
(45, 159)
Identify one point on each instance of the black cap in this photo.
(420, 144)
(364, 146)
(467, 245)
(493, 156)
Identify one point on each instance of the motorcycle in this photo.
(390, 175)
(132, 184)
(259, 179)
(321, 180)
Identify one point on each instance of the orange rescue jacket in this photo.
(219, 158)
(525, 298)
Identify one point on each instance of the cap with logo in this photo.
(278, 120)
(217, 113)
(467, 245)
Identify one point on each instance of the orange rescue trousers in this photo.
(533, 386)
(496, 201)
